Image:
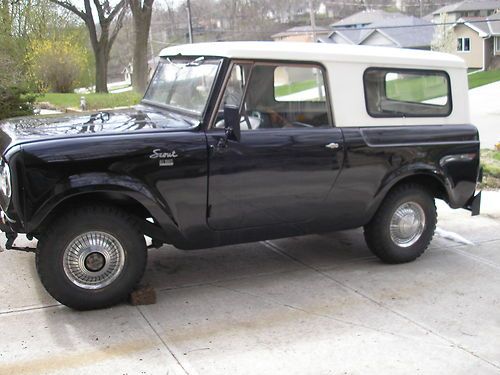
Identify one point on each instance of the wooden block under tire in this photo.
(143, 295)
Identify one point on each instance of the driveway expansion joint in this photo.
(308, 312)
(283, 252)
(28, 309)
(474, 257)
(165, 345)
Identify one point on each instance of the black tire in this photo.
(378, 232)
(106, 221)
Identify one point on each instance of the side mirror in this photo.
(232, 122)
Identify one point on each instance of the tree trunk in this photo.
(141, 56)
(141, 12)
(101, 70)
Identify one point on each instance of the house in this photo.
(398, 31)
(478, 41)
(301, 34)
(363, 19)
(467, 8)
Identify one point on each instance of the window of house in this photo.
(463, 44)
(497, 45)
(407, 93)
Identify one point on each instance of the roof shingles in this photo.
(469, 5)
(401, 30)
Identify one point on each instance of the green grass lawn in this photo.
(294, 88)
(483, 78)
(94, 101)
(416, 89)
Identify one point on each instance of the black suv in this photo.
(241, 142)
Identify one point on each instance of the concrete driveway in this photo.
(319, 304)
(485, 113)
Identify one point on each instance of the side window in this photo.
(296, 84)
(234, 91)
(236, 85)
(402, 93)
(285, 96)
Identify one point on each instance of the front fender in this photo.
(91, 183)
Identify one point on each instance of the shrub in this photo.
(15, 101)
(56, 65)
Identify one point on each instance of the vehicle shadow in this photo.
(169, 268)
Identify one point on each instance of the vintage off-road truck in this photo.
(241, 142)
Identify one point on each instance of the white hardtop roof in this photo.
(320, 52)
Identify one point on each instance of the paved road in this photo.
(485, 113)
(319, 304)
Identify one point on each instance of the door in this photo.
(289, 155)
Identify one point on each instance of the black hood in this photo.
(139, 118)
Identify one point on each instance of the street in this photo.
(319, 304)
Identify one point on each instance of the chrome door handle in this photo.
(332, 145)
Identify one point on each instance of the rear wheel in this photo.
(91, 258)
(404, 225)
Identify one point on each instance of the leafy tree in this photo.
(103, 35)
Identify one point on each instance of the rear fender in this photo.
(422, 174)
(443, 185)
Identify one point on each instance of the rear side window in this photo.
(407, 93)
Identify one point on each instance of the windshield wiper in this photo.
(174, 64)
(197, 62)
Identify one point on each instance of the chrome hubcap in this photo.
(407, 224)
(93, 260)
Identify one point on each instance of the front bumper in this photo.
(7, 229)
(11, 235)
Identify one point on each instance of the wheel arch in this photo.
(140, 207)
(432, 182)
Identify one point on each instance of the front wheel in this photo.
(91, 257)
(404, 225)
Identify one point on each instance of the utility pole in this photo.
(190, 23)
(312, 15)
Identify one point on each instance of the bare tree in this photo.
(141, 14)
(101, 38)
(443, 39)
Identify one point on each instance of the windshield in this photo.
(183, 83)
